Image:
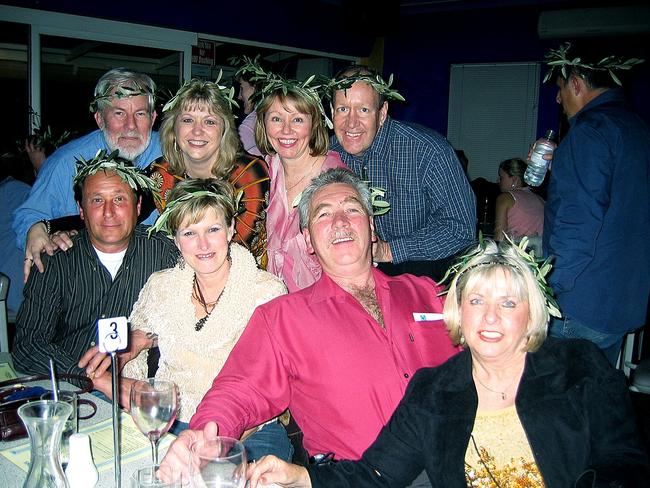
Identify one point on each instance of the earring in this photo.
(462, 341)
(181, 262)
(228, 255)
(176, 146)
(512, 186)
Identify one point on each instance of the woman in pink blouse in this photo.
(291, 130)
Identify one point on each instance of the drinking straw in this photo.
(55, 387)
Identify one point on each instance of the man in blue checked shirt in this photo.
(124, 110)
(432, 207)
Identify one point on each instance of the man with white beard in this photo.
(124, 109)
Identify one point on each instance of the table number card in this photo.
(112, 334)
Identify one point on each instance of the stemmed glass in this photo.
(154, 404)
(219, 462)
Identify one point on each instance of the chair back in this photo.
(4, 289)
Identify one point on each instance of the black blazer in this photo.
(574, 408)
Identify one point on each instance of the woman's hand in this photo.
(270, 469)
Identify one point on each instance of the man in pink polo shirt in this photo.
(338, 354)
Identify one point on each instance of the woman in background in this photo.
(519, 211)
(246, 128)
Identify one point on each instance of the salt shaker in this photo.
(81, 470)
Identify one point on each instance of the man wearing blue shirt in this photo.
(597, 214)
(124, 109)
(432, 207)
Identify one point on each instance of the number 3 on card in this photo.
(112, 334)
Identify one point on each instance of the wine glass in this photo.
(219, 462)
(154, 404)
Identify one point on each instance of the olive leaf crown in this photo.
(538, 267)
(266, 83)
(379, 206)
(134, 177)
(162, 222)
(377, 82)
(227, 93)
(557, 59)
(44, 137)
(133, 89)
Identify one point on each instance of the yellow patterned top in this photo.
(498, 450)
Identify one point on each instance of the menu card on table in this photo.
(134, 444)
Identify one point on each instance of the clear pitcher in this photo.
(45, 420)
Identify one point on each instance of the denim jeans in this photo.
(270, 439)
(178, 427)
(569, 328)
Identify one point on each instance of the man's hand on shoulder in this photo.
(38, 241)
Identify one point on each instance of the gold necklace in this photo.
(503, 394)
(311, 168)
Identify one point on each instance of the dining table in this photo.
(135, 447)
(138, 451)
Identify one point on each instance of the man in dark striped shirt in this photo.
(100, 276)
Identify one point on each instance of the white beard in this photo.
(126, 152)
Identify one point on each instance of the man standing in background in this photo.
(597, 214)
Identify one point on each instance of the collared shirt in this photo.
(319, 353)
(52, 196)
(433, 207)
(597, 217)
(61, 307)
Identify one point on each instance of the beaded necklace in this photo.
(197, 294)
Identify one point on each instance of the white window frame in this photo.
(93, 29)
(493, 113)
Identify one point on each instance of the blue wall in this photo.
(422, 48)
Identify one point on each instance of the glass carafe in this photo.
(45, 420)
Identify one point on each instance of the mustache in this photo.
(133, 134)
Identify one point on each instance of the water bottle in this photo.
(537, 165)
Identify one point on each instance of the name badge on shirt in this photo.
(112, 334)
(427, 317)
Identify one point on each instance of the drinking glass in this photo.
(146, 478)
(154, 404)
(219, 462)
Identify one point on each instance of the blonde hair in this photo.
(318, 140)
(210, 194)
(203, 95)
(521, 281)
